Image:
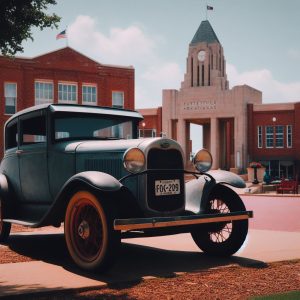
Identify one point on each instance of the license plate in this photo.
(167, 187)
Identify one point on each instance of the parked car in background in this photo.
(85, 167)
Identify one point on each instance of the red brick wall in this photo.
(265, 118)
(152, 121)
(63, 65)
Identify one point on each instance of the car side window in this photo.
(33, 130)
(11, 136)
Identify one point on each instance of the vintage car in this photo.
(85, 167)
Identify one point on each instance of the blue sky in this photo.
(261, 41)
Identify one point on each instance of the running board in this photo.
(19, 222)
(159, 222)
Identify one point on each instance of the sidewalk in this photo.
(147, 257)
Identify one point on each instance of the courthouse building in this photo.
(62, 76)
(237, 127)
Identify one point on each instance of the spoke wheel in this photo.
(223, 238)
(90, 238)
(4, 227)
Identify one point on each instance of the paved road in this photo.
(274, 213)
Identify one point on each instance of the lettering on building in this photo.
(200, 105)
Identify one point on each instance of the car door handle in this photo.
(19, 152)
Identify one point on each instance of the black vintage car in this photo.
(85, 166)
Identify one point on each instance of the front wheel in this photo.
(224, 238)
(90, 237)
(4, 227)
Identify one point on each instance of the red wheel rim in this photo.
(86, 230)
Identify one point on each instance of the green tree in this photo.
(16, 19)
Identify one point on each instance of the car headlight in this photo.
(134, 160)
(202, 160)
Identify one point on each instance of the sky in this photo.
(260, 38)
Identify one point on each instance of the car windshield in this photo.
(92, 127)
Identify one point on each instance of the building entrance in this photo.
(200, 137)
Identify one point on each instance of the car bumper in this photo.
(159, 222)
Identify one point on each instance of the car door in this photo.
(33, 158)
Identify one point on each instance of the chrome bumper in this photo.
(159, 222)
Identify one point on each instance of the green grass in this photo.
(295, 295)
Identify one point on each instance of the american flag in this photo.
(62, 35)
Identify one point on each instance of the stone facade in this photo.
(237, 127)
(205, 99)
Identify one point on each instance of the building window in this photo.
(43, 92)
(143, 133)
(279, 131)
(33, 130)
(67, 93)
(118, 99)
(289, 136)
(89, 94)
(10, 94)
(269, 137)
(259, 136)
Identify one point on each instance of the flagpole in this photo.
(67, 38)
(206, 10)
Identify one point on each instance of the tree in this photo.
(16, 19)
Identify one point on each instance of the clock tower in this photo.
(206, 66)
(206, 100)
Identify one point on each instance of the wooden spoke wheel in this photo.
(89, 234)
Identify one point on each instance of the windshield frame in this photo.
(56, 115)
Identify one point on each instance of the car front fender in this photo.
(102, 181)
(198, 190)
(225, 177)
(97, 182)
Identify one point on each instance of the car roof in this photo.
(73, 108)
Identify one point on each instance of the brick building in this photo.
(274, 137)
(62, 76)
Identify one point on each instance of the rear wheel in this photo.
(224, 238)
(4, 227)
(90, 237)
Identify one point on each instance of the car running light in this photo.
(203, 160)
(134, 160)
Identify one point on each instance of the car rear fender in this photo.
(105, 187)
(6, 195)
(198, 190)
(3, 187)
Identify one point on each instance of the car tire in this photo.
(222, 239)
(4, 227)
(91, 240)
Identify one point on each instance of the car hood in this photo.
(110, 145)
(123, 145)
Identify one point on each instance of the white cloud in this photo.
(168, 73)
(119, 46)
(128, 46)
(263, 80)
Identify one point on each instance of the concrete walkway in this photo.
(139, 259)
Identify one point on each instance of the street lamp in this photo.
(143, 124)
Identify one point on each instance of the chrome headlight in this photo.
(134, 160)
(203, 160)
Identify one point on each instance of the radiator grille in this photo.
(165, 159)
